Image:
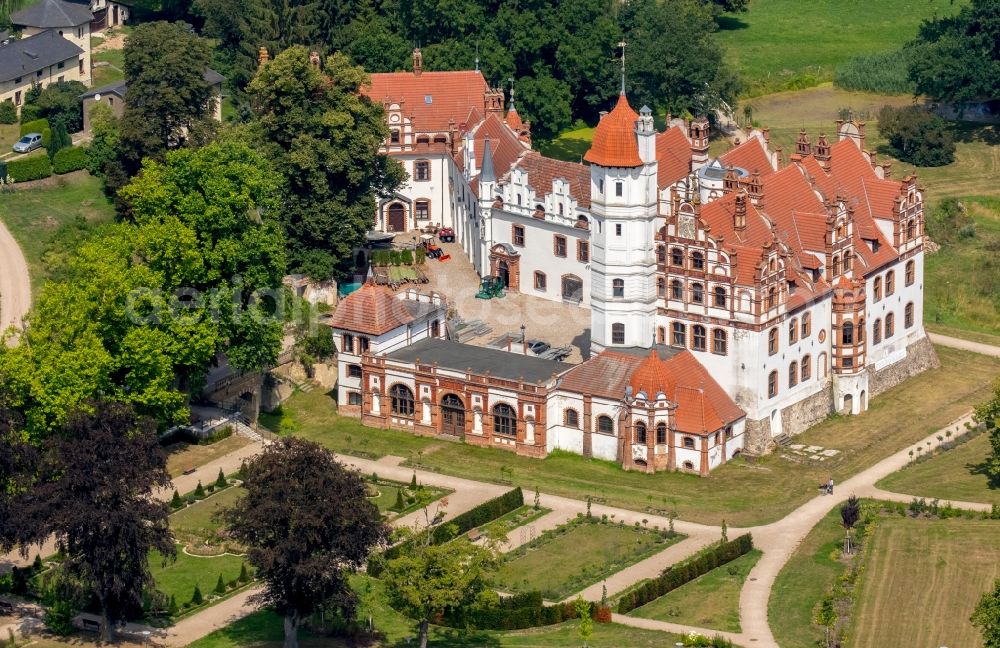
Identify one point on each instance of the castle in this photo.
(732, 299)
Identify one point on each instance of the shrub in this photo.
(200, 490)
(406, 257)
(58, 139)
(197, 598)
(244, 575)
(220, 586)
(35, 167)
(34, 126)
(220, 481)
(46, 138)
(172, 608)
(400, 504)
(420, 255)
(881, 73)
(69, 159)
(917, 136)
(176, 502)
(8, 112)
(59, 617)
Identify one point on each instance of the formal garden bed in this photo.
(518, 518)
(580, 553)
(396, 499)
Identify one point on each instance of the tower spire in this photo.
(621, 44)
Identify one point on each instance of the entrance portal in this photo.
(452, 415)
(397, 218)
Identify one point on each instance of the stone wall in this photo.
(757, 438)
(806, 413)
(920, 356)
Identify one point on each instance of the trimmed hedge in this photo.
(69, 159)
(36, 126)
(8, 112)
(676, 575)
(522, 611)
(474, 517)
(35, 167)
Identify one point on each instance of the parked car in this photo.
(538, 347)
(28, 143)
(447, 235)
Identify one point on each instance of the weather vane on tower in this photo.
(621, 44)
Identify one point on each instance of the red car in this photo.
(447, 235)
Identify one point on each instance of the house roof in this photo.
(513, 119)
(118, 87)
(431, 99)
(374, 310)
(28, 55)
(615, 143)
(52, 14)
(673, 153)
(749, 155)
(480, 360)
(505, 146)
(543, 170)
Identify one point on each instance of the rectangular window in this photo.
(394, 136)
(60, 65)
(617, 333)
(422, 170)
(540, 281)
(619, 189)
(422, 210)
(618, 229)
(17, 98)
(518, 235)
(678, 334)
(583, 251)
(61, 78)
(364, 344)
(348, 344)
(559, 245)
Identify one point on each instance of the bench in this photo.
(189, 471)
(90, 625)
(474, 535)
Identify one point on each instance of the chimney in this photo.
(823, 151)
(740, 215)
(756, 189)
(802, 147)
(262, 56)
(730, 181)
(418, 61)
(766, 131)
(314, 59)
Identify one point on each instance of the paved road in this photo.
(15, 284)
(966, 345)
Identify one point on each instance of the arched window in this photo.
(640, 432)
(676, 256)
(617, 333)
(806, 325)
(911, 273)
(571, 418)
(772, 384)
(401, 400)
(618, 287)
(772, 341)
(719, 342)
(678, 334)
(698, 337)
(605, 425)
(676, 290)
(772, 298)
(504, 420)
(793, 331)
(836, 265)
(697, 293)
(911, 230)
(793, 374)
(697, 260)
(848, 260)
(806, 370)
(688, 442)
(822, 364)
(890, 325)
(908, 315)
(661, 287)
(890, 283)
(847, 333)
(877, 289)
(720, 297)
(877, 332)
(661, 433)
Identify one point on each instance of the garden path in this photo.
(15, 284)
(965, 345)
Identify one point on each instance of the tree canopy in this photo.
(986, 617)
(307, 523)
(324, 137)
(58, 102)
(957, 58)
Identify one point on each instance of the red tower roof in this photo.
(614, 143)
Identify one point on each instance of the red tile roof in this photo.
(605, 375)
(371, 310)
(452, 95)
(703, 406)
(673, 154)
(505, 146)
(543, 170)
(749, 155)
(513, 119)
(615, 143)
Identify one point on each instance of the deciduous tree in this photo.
(988, 414)
(307, 523)
(850, 512)
(986, 617)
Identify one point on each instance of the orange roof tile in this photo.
(673, 153)
(371, 310)
(431, 98)
(652, 377)
(605, 375)
(750, 155)
(543, 170)
(703, 406)
(513, 119)
(615, 143)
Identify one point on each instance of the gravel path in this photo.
(15, 284)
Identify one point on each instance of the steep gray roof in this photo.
(28, 55)
(118, 87)
(52, 14)
(487, 174)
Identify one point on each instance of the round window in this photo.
(822, 335)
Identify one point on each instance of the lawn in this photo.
(197, 519)
(182, 456)
(113, 71)
(955, 475)
(803, 581)
(782, 44)
(43, 219)
(922, 580)
(576, 555)
(709, 601)
(741, 493)
(387, 493)
(519, 518)
(178, 578)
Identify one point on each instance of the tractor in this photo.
(490, 287)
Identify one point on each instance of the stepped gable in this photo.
(372, 310)
(673, 153)
(543, 170)
(432, 99)
(751, 156)
(615, 143)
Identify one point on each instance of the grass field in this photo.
(783, 44)
(504, 525)
(741, 493)
(34, 216)
(113, 71)
(803, 582)
(198, 518)
(951, 475)
(576, 556)
(922, 580)
(709, 601)
(181, 456)
(179, 577)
